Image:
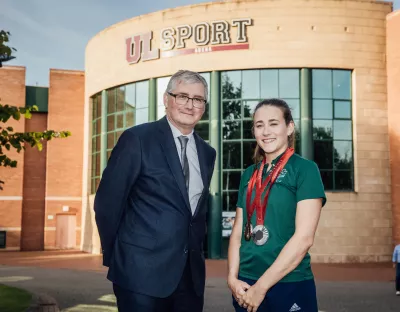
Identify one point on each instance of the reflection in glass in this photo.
(248, 108)
(98, 164)
(229, 201)
(342, 130)
(247, 129)
(110, 123)
(322, 83)
(294, 105)
(343, 155)
(142, 116)
(98, 110)
(120, 99)
(297, 142)
(203, 131)
(343, 180)
(98, 126)
(98, 143)
(231, 180)
(162, 84)
(120, 121)
(231, 85)
(110, 140)
(327, 179)
(206, 76)
(342, 84)
(231, 156)
(94, 107)
(269, 83)
(248, 152)
(231, 130)
(323, 154)
(322, 109)
(289, 83)
(130, 118)
(94, 128)
(342, 109)
(142, 94)
(322, 129)
(251, 84)
(93, 145)
(231, 110)
(130, 94)
(111, 101)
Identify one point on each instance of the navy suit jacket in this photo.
(143, 215)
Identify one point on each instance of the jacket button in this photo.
(186, 251)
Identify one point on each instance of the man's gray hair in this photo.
(187, 77)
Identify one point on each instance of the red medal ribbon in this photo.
(256, 179)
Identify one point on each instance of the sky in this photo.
(53, 33)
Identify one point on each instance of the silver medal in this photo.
(260, 235)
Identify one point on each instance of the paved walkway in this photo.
(77, 281)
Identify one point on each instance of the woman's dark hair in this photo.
(287, 115)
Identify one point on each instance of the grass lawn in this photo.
(14, 299)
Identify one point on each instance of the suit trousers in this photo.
(183, 299)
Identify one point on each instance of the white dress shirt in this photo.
(195, 181)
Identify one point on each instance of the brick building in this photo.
(337, 64)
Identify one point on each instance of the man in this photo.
(396, 264)
(152, 202)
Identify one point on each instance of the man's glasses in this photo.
(182, 99)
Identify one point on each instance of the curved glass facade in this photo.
(320, 99)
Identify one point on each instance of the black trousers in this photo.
(398, 277)
(183, 299)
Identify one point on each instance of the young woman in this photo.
(278, 209)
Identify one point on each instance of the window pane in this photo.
(203, 130)
(294, 106)
(231, 110)
(247, 129)
(98, 143)
(120, 99)
(231, 180)
(160, 111)
(205, 115)
(322, 109)
(117, 135)
(110, 140)
(343, 155)
(248, 151)
(161, 88)
(109, 154)
(98, 110)
(142, 116)
(251, 84)
(110, 123)
(248, 108)
(111, 101)
(343, 180)
(229, 200)
(231, 130)
(269, 83)
(94, 107)
(322, 129)
(289, 83)
(342, 109)
(231, 85)
(142, 94)
(98, 126)
(342, 84)
(297, 142)
(322, 83)
(93, 145)
(120, 121)
(130, 95)
(94, 128)
(97, 164)
(327, 179)
(342, 130)
(130, 118)
(323, 154)
(231, 156)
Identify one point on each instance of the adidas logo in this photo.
(294, 308)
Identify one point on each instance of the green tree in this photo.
(18, 140)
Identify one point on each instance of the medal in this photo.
(260, 233)
(248, 231)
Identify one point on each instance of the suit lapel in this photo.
(170, 152)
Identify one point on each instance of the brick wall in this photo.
(393, 73)
(33, 204)
(12, 92)
(64, 156)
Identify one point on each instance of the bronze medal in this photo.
(248, 231)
